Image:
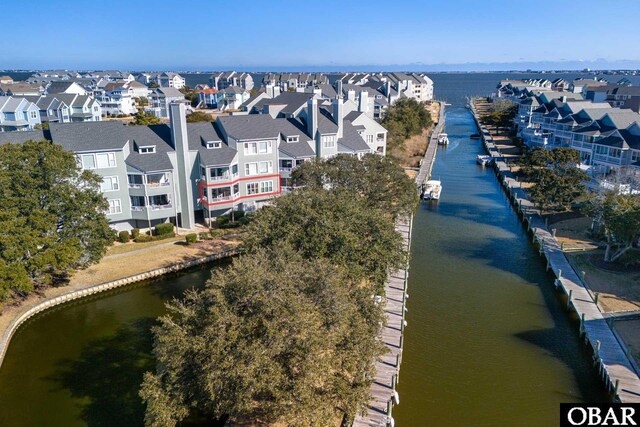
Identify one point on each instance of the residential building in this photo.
(294, 81)
(208, 98)
(18, 114)
(224, 80)
(161, 98)
(165, 79)
(68, 87)
(231, 98)
(20, 89)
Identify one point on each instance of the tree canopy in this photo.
(332, 224)
(500, 113)
(619, 216)
(145, 118)
(52, 216)
(381, 182)
(558, 181)
(288, 334)
(198, 116)
(274, 338)
(404, 119)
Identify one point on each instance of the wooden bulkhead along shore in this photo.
(610, 359)
(383, 391)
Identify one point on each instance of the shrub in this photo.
(204, 236)
(135, 233)
(191, 238)
(244, 220)
(164, 229)
(216, 233)
(123, 236)
(221, 221)
(143, 238)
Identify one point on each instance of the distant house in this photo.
(173, 80)
(208, 98)
(65, 87)
(294, 81)
(161, 98)
(232, 98)
(6, 79)
(20, 89)
(17, 114)
(559, 85)
(224, 80)
(116, 99)
(166, 79)
(52, 109)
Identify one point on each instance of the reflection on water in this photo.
(487, 342)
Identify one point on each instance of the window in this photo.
(234, 169)
(266, 186)
(258, 168)
(292, 138)
(369, 139)
(109, 183)
(88, 161)
(252, 188)
(147, 149)
(34, 114)
(262, 147)
(287, 164)
(328, 141)
(115, 207)
(213, 144)
(105, 160)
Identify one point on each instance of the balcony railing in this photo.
(221, 178)
(285, 169)
(138, 208)
(615, 160)
(160, 207)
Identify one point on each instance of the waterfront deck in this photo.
(614, 364)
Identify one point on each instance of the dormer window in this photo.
(147, 149)
(213, 144)
(292, 138)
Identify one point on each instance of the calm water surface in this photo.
(82, 363)
(488, 343)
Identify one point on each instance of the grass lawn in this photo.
(122, 248)
(629, 330)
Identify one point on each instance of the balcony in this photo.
(605, 158)
(220, 178)
(160, 207)
(286, 169)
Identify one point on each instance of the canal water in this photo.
(82, 363)
(488, 343)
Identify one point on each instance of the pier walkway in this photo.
(612, 361)
(383, 390)
(426, 165)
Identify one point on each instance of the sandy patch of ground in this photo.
(618, 291)
(629, 331)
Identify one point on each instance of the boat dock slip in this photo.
(610, 358)
(383, 390)
(426, 165)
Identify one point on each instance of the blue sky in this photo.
(331, 34)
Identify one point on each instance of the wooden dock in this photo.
(612, 361)
(426, 165)
(383, 391)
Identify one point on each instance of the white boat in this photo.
(432, 190)
(443, 139)
(484, 160)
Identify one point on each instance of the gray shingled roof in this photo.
(89, 136)
(351, 139)
(201, 132)
(254, 126)
(158, 136)
(291, 100)
(22, 136)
